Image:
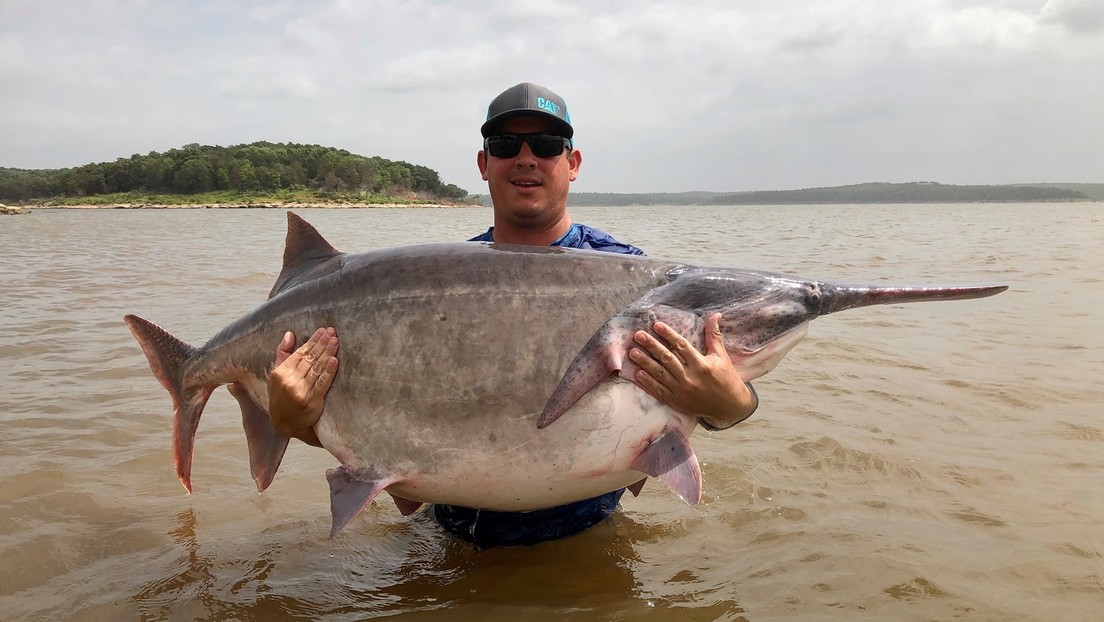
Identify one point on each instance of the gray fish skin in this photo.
(451, 355)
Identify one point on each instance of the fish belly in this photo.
(505, 463)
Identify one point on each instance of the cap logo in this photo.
(550, 106)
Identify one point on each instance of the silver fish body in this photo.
(453, 360)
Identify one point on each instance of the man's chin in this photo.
(528, 212)
(524, 203)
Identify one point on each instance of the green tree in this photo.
(241, 174)
(193, 176)
(156, 173)
(268, 178)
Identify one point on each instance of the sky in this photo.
(726, 95)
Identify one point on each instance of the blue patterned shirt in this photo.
(579, 236)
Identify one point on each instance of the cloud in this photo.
(1085, 17)
(666, 96)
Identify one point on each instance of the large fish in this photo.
(452, 353)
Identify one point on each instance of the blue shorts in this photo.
(485, 528)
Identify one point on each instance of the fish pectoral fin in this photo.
(406, 506)
(349, 494)
(671, 459)
(604, 355)
(266, 445)
(637, 487)
(607, 351)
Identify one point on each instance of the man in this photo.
(528, 161)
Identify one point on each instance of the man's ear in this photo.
(575, 158)
(481, 161)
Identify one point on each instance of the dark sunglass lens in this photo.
(546, 145)
(506, 146)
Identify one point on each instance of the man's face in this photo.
(529, 192)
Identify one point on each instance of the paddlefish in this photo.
(456, 359)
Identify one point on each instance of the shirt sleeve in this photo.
(486, 236)
(712, 428)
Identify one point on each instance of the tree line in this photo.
(256, 167)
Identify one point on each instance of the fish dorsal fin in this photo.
(304, 249)
(671, 459)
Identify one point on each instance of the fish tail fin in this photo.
(266, 445)
(167, 357)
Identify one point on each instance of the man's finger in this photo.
(679, 345)
(313, 349)
(651, 386)
(659, 352)
(327, 376)
(655, 372)
(311, 342)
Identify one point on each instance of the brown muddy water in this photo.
(934, 461)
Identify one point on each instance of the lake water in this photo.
(933, 461)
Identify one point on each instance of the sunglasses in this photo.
(542, 145)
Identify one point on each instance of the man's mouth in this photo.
(526, 183)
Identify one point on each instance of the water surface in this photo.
(914, 462)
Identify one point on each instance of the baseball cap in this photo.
(528, 99)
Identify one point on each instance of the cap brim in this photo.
(489, 127)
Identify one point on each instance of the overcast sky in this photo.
(724, 95)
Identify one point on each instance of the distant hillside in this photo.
(651, 198)
(1093, 191)
(256, 167)
(916, 192)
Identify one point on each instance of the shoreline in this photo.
(293, 205)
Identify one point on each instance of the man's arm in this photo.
(706, 385)
(298, 384)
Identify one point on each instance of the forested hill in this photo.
(256, 167)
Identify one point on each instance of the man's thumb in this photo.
(714, 341)
(286, 347)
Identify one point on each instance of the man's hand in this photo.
(298, 384)
(705, 385)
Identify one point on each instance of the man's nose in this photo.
(525, 157)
